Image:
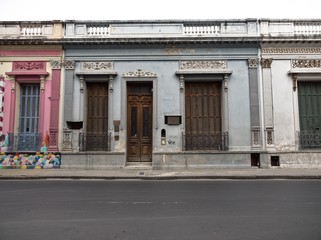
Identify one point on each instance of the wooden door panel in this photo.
(139, 123)
(203, 115)
(97, 107)
(133, 154)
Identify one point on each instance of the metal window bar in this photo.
(94, 141)
(205, 141)
(310, 139)
(24, 142)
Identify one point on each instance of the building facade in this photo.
(166, 94)
(31, 74)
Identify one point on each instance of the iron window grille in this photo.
(310, 139)
(205, 141)
(24, 142)
(94, 141)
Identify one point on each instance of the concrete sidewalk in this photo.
(150, 174)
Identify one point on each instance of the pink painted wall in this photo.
(49, 99)
(47, 106)
(7, 107)
(29, 52)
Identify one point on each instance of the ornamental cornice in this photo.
(306, 63)
(211, 64)
(301, 50)
(139, 73)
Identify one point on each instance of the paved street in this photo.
(160, 210)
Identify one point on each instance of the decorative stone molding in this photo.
(69, 64)
(55, 64)
(225, 82)
(13, 84)
(266, 62)
(269, 135)
(20, 68)
(181, 83)
(295, 81)
(111, 84)
(42, 84)
(53, 137)
(291, 50)
(28, 66)
(215, 64)
(139, 73)
(81, 79)
(256, 137)
(306, 63)
(67, 140)
(97, 66)
(253, 62)
(303, 68)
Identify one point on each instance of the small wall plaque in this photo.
(173, 120)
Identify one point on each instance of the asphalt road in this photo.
(160, 210)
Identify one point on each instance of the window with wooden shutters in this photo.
(203, 118)
(310, 114)
(28, 138)
(97, 107)
(96, 137)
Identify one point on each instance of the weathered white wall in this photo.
(239, 107)
(284, 131)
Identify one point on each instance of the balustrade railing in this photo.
(202, 29)
(205, 141)
(24, 141)
(31, 30)
(94, 141)
(307, 28)
(54, 29)
(93, 30)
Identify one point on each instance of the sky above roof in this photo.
(34, 10)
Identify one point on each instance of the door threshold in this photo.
(139, 165)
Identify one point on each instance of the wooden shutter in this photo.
(97, 107)
(203, 115)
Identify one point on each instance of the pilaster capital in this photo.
(56, 64)
(253, 62)
(266, 62)
(69, 64)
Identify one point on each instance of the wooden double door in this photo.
(139, 122)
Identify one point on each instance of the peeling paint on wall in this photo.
(284, 147)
